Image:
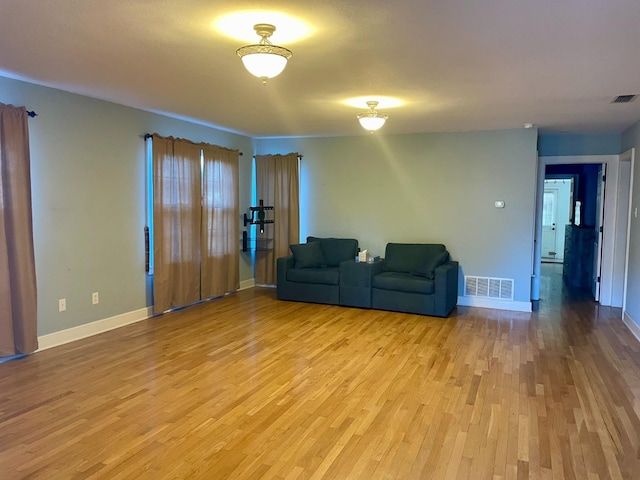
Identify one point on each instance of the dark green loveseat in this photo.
(416, 278)
(312, 273)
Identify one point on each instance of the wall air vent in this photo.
(498, 288)
(624, 99)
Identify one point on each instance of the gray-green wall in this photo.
(631, 139)
(438, 188)
(88, 161)
(562, 144)
(88, 190)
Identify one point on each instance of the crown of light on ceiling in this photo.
(264, 59)
(372, 120)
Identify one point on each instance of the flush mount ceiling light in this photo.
(372, 120)
(264, 60)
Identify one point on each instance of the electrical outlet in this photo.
(62, 304)
(95, 298)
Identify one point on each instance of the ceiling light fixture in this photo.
(372, 120)
(264, 60)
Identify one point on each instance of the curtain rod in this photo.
(147, 136)
(31, 113)
(299, 157)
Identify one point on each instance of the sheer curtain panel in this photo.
(278, 185)
(18, 295)
(220, 272)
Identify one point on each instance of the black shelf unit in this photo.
(256, 244)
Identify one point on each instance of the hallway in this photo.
(554, 291)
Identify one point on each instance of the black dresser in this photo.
(578, 256)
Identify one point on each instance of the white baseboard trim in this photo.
(631, 325)
(83, 331)
(244, 284)
(495, 304)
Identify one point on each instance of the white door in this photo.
(563, 202)
(597, 244)
(549, 230)
(621, 229)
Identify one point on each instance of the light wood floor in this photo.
(247, 387)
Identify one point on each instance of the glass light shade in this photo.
(372, 120)
(372, 123)
(264, 60)
(264, 65)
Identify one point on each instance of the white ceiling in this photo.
(457, 65)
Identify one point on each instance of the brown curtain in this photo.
(18, 296)
(220, 271)
(176, 223)
(278, 185)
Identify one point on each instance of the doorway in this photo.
(556, 208)
(587, 214)
(598, 237)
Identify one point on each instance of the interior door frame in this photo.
(598, 246)
(573, 179)
(555, 219)
(610, 206)
(629, 155)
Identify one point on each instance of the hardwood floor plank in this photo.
(249, 387)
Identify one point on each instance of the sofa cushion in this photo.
(336, 250)
(428, 267)
(404, 282)
(308, 255)
(326, 276)
(409, 257)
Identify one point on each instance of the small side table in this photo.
(355, 282)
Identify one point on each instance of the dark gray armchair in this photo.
(416, 278)
(312, 273)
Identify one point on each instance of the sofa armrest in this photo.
(282, 265)
(380, 266)
(377, 267)
(446, 288)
